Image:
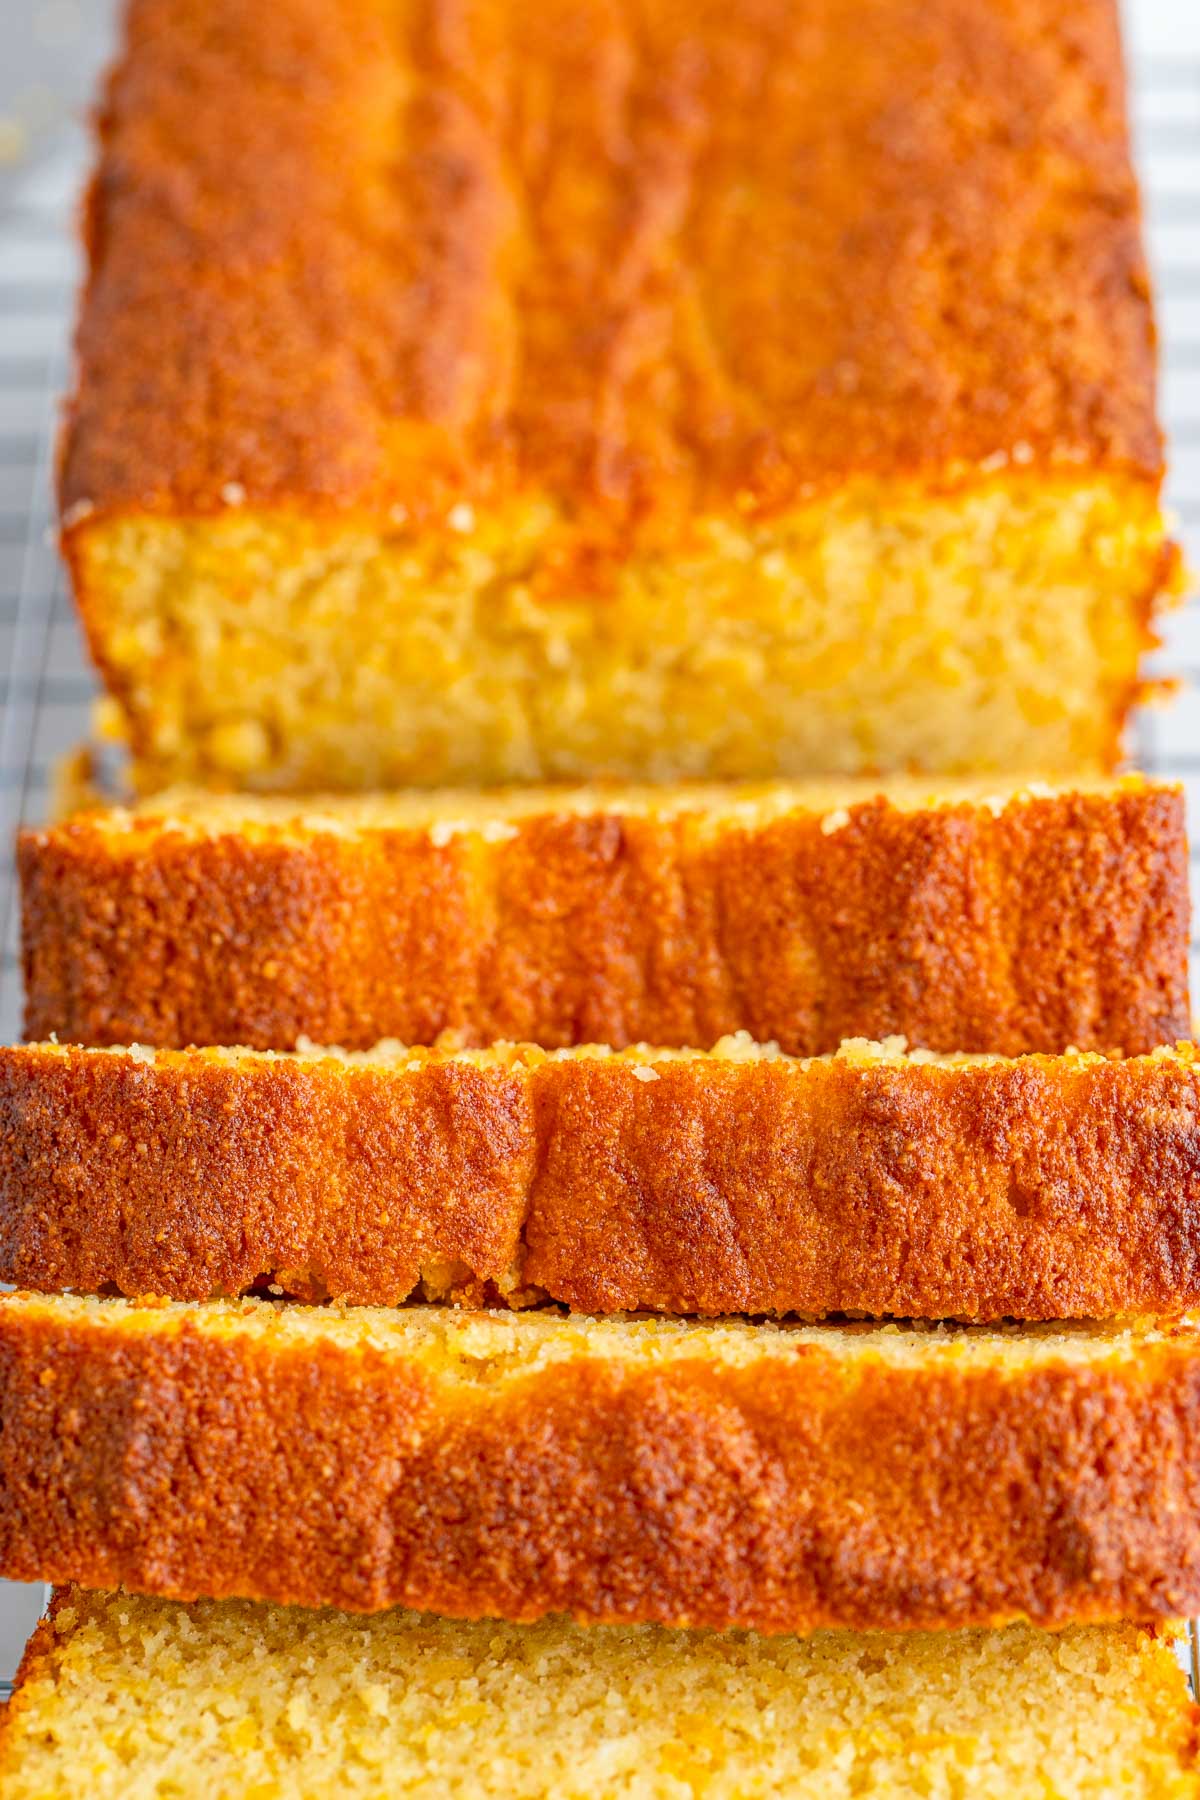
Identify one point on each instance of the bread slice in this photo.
(618, 1470)
(737, 1182)
(963, 918)
(123, 1698)
(507, 407)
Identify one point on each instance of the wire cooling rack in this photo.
(48, 688)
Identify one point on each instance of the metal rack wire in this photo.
(47, 687)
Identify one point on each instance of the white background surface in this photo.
(1162, 27)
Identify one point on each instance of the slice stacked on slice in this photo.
(740, 1181)
(124, 1698)
(961, 918)
(548, 393)
(518, 1464)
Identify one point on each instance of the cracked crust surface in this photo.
(733, 1183)
(513, 1465)
(650, 263)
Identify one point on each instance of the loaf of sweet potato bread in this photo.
(736, 1182)
(648, 1470)
(962, 917)
(126, 1698)
(522, 392)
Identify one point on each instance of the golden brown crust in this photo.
(1061, 921)
(1035, 1189)
(814, 1490)
(407, 257)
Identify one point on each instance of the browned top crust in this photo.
(353, 254)
(1054, 920)
(1037, 1189)
(782, 1491)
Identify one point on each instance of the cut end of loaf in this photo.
(886, 628)
(127, 1698)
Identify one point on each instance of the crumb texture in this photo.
(958, 916)
(622, 1471)
(135, 1699)
(999, 629)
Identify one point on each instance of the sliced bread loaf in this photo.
(961, 917)
(576, 390)
(515, 1464)
(736, 1182)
